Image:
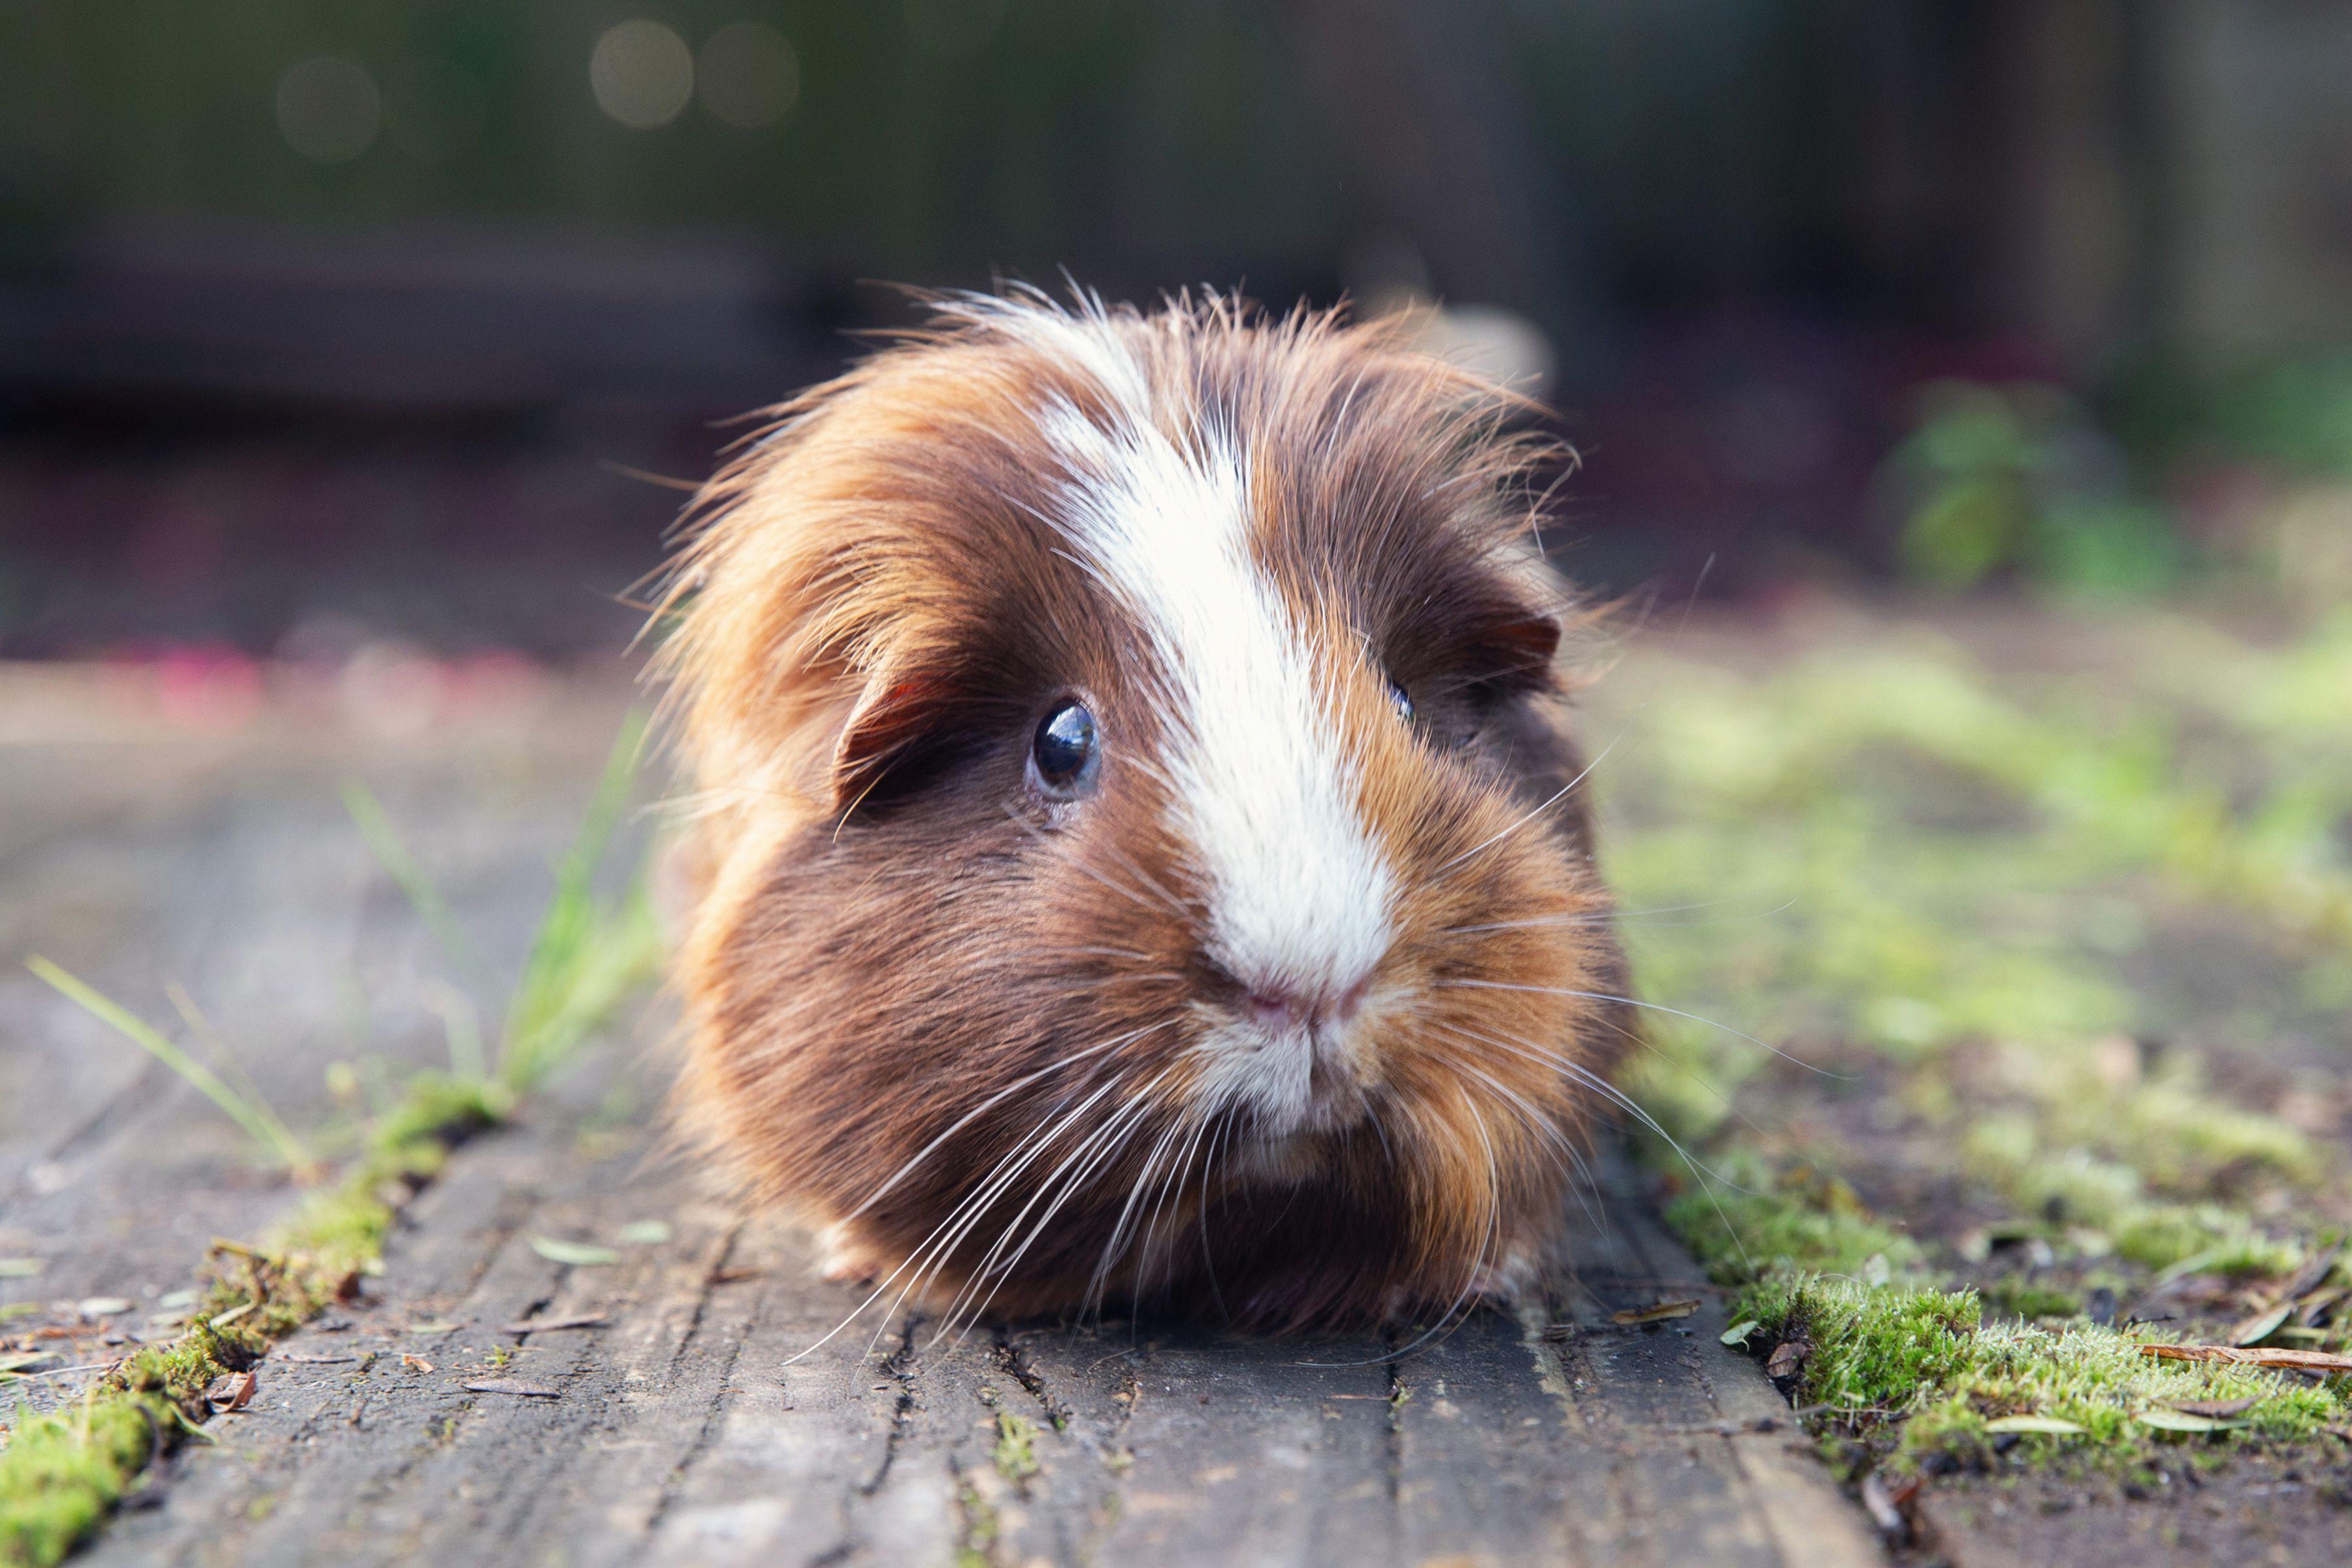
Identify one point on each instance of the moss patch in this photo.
(62, 1473)
(1016, 1448)
(1980, 898)
(1864, 1349)
(976, 1540)
(1814, 1226)
(1917, 1377)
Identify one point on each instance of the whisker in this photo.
(1194, 1126)
(1218, 1143)
(1168, 902)
(976, 1202)
(1127, 863)
(1170, 1196)
(1582, 1074)
(859, 1311)
(1653, 1007)
(1105, 1141)
(1381, 1133)
(1574, 1165)
(1100, 1278)
(1017, 1085)
(1076, 1165)
(976, 1206)
(1554, 799)
(1446, 1324)
(1621, 916)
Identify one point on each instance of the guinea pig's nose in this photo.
(1282, 1008)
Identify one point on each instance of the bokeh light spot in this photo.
(750, 77)
(329, 109)
(642, 74)
(954, 26)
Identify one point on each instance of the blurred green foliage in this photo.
(2099, 494)
(2020, 479)
(2293, 415)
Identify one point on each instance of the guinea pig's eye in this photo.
(1066, 748)
(1403, 703)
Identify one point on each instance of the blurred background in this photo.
(1964, 389)
(327, 327)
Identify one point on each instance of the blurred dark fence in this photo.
(254, 254)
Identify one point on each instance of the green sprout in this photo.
(248, 1111)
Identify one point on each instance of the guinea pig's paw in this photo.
(1508, 1280)
(844, 1258)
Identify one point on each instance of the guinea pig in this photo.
(1143, 854)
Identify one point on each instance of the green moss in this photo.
(1918, 1374)
(434, 1111)
(977, 1545)
(2098, 1380)
(1899, 867)
(1874, 1348)
(2178, 1135)
(2072, 1187)
(1016, 1451)
(2026, 1299)
(2206, 1237)
(62, 1472)
(1782, 1226)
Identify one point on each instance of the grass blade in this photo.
(586, 958)
(258, 1120)
(461, 1023)
(391, 853)
(223, 1060)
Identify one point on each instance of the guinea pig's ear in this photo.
(1534, 637)
(1519, 648)
(898, 712)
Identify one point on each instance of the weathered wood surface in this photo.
(683, 1431)
(707, 1418)
(142, 844)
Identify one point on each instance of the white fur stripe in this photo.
(1265, 796)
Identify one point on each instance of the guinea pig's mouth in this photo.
(1336, 1097)
(1291, 1081)
(1287, 1145)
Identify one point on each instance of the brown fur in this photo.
(871, 613)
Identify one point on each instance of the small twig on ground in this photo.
(2298, 1361)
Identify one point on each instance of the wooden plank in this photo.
(135, 853)
(1748, 1482)
(793, 1440)
(709, 1419)
(1564, 1436)
(682, 1435)
(1084, 1384)
(1494, 1467)
(332, 1454)
(138, 851)
(687, 1432)
(1257, 1452)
